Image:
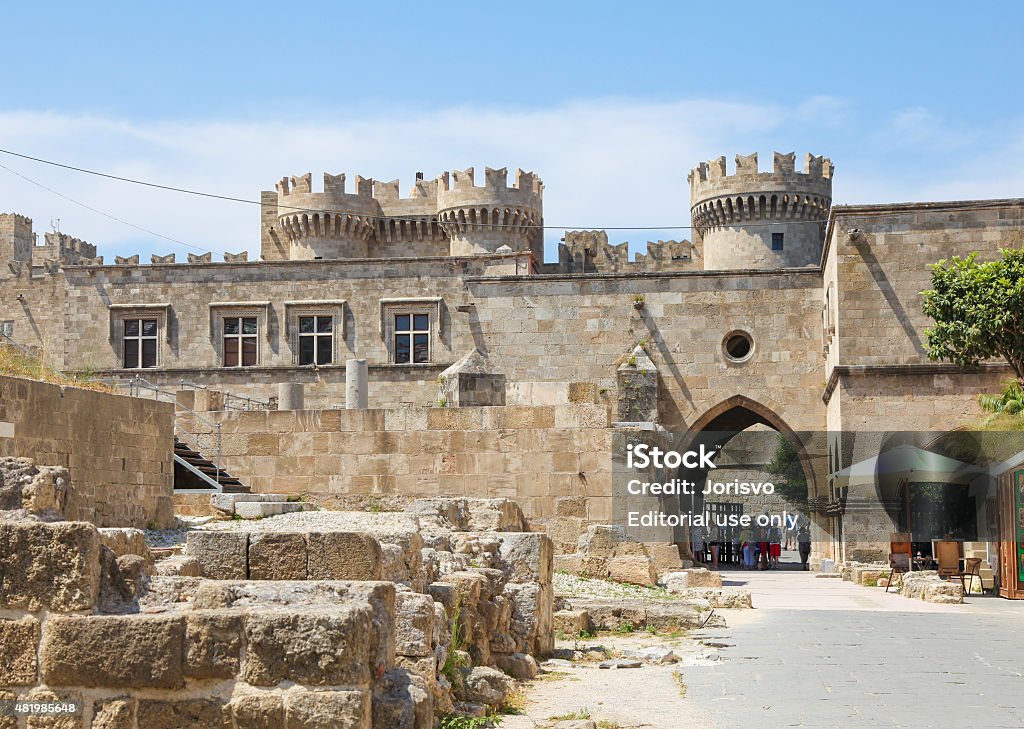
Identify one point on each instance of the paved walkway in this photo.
(791, 589)
(824, 653)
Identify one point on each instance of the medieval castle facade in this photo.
(783, 310)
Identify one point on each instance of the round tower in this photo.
(757, 219)
(328, 224)
(482, 219)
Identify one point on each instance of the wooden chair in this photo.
(948, 555)
(972, 569)
(900, 551)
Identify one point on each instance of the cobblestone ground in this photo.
(823, 653)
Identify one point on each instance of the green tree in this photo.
(978, 310)
(786, 466)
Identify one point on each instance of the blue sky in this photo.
(610, 103)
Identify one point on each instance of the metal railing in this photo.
(18, 345)
(242, 402)
(138, 385)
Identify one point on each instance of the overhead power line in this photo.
(105, 214)
(246, 201)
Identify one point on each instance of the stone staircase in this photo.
(254, 506)
(185, 479)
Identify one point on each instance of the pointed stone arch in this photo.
(739, 412)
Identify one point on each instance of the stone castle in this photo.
(783, 310)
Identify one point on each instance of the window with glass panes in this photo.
(138, 343)
(316, 339)
(412, 338)
(241, 345)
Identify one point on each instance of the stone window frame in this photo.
(118, 313)
(315, 307)
(221, 310)
(7, 327)
(429, 305)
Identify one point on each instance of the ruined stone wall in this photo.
(203, 661)
(532, 454)
(118, 449)
(402, 619)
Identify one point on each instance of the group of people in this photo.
(756, 547)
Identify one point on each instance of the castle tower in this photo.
(329, 224)
(757, 219)
(482, 219)
(16, 240)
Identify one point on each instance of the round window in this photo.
(738, 346)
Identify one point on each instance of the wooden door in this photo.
(1011, 535)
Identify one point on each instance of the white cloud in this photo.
(605, 162)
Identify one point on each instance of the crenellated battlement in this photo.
(482, 219)
(761, 219)
(588, 251)
(711, 179)
(719, 199)
(460, 189)
(64, 249)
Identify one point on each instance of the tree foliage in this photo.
(791, 481)
(978, 309)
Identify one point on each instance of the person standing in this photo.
(748, 548)
(714, 542)
(803, 541)
(698, 544)
(761, 542)
(774, 546)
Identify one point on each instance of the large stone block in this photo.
(532, 622)
(178, 566)
(316, 648)
(8, 722)
(258, 710)
(184, 714)
(36, 489)
(53, 566)
(18, 642)
(632, 569)
(44, 695)
(414, 624)
(213, 639)
(130, 651)
(526, 556)
(343, 556)
(565, 532)
(221, 555)
(571, 623)
(328, 710)
(114, 714)
(122, 541)
(402, 701)
(277, 556)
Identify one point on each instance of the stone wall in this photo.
(211, 657)
(118, 449)
(533, 329)
(532, 454)
(403, 619)
(881, 256)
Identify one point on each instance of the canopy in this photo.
(911, 463)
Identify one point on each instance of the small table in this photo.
(924, 563)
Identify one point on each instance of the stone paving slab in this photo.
(854, 668)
